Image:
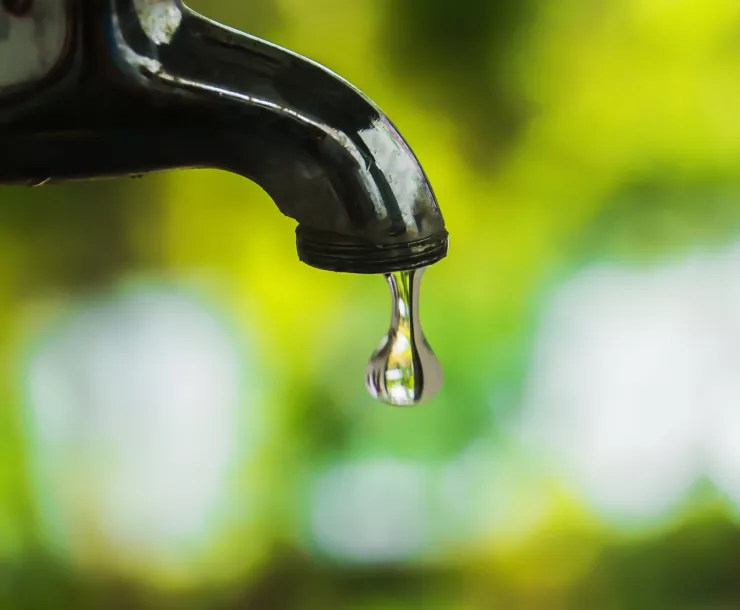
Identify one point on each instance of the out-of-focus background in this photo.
(183, 420)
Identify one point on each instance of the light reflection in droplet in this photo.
(404, 370)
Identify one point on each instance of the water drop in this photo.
(404, 371)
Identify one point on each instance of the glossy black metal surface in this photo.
(150, 85)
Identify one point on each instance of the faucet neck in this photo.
(151, 85)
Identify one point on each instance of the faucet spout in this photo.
(150, 85)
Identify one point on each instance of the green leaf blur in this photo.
(560, 137)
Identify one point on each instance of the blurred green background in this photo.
(183, 421)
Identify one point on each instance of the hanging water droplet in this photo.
(404, 371)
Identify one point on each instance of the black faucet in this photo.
(127, 87)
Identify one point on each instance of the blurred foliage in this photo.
(555, 134)
(459, 54)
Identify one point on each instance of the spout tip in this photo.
(338, 253)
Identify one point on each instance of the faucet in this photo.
(104, 88)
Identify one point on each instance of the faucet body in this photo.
(127, 87)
